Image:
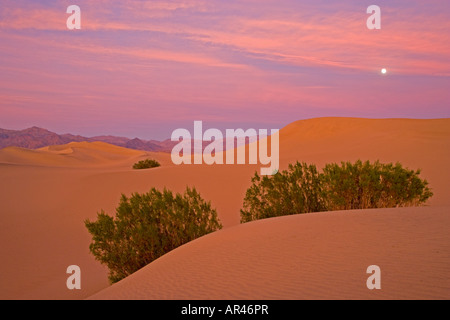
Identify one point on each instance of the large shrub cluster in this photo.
(359, 185)
(146, 226)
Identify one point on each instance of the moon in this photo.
(384, 71)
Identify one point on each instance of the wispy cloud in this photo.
(308, 38)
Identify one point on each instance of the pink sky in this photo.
(145, 68)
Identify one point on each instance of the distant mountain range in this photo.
(33, 138)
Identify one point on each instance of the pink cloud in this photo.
(302, 38)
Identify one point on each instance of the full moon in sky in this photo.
(383, 71)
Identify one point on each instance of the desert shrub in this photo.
(363, 185)
(147, 226)
(302, 189)
(146, 164)
(296, 190)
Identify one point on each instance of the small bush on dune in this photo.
(146, 164)
(147, 226)
(302, 189)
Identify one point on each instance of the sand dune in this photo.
(46, 195)
(423, 144)
(310, 256)
(74, 154)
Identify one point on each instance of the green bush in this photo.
(302, 189)
(296, 190)
(147, 226)
(146, 164)
(372, 185)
